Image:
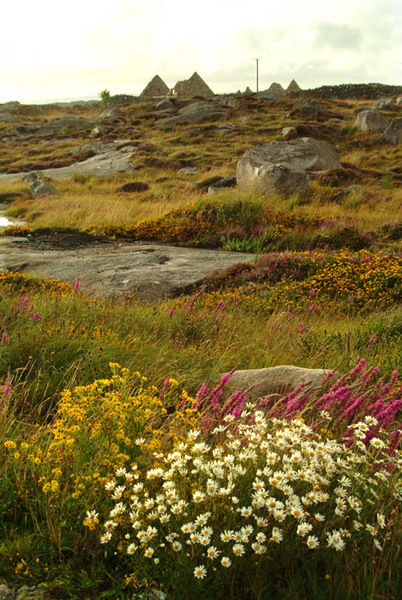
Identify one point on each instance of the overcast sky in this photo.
(60, 51)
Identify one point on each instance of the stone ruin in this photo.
(156, 88)
(293, 87)
(195, 86)
(276, 88)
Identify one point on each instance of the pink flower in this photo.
(7, 388)
(4, 338)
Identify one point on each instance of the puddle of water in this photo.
(4, 222)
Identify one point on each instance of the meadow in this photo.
(126, 471)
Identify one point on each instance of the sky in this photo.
(63, 51)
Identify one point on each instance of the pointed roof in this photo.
(195, 86)
(155, 89)
(276, 88)
(293, 87)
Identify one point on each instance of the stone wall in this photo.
(357, 91)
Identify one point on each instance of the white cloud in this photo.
(81, 47)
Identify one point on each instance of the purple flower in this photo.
(7, 388)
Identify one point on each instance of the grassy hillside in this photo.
(126, 471)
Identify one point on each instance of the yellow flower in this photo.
(10, 445)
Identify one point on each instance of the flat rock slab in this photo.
(148, 271)
(101, 165)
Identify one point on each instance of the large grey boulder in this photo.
(393, 134)
(197, 111)
(273, 380)
(255, 168)
(370, 120)
(398, 101)
(278, 179)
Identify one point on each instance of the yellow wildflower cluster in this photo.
(356, 280)
(20, 281)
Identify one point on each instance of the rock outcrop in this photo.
(149, 271)
(101, 165)
(63, 125)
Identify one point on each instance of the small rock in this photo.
(188, 170)
(206, 183)
(225, 182)
(352, 189)
(40, 188)
(289, 132)
(97, 131)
